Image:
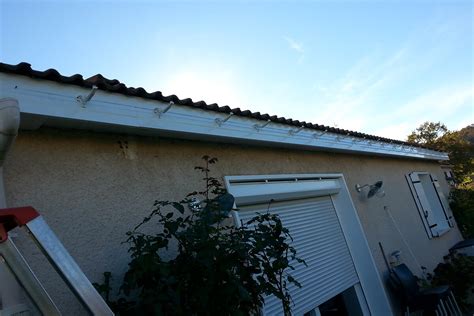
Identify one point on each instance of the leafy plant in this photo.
(219, 269)
(457, 270)
(462, 205)
(105, 289)
(458, 144)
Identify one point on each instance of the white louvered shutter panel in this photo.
(423, 205)
(318, 239)
(443, 201)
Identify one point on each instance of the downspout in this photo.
(10, 291)
(9, 124)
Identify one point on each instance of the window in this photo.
(448, 174)
(326, 231)
(431, 203)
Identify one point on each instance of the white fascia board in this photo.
(58, 102)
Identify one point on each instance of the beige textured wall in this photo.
(91, 188)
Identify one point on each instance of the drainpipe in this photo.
(10, 291)
(9, 123)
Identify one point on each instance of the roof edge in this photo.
(116, 87)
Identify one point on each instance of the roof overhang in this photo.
(47, 103)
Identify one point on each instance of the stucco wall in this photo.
(91, 188)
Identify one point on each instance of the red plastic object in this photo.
(13, 217)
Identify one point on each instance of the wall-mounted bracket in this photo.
(258, 127)
(295, 131)
(84, 99)
(219, 121)
(160, 112)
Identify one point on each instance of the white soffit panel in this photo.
(56, 104)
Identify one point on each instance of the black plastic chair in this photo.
(434, 301)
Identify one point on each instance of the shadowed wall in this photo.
(92, 188)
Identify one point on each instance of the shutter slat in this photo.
(319, 240)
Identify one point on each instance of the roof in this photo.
(115, 86)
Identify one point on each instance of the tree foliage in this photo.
(455, 143)
(219, 269)
(462, 205)
(427, 133)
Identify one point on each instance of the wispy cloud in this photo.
(375, 94)
(296, 46)
(293, 44)
(352, 101)
(445, 104)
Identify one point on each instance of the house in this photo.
(93, 154)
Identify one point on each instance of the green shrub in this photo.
(218, 270)
(457, 270)
(462, 205)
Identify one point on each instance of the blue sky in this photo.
(380, 67)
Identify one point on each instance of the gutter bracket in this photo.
(317, 135)
(259, 127)
(84, 99)
(219, 121)
(160, 112)
(295, 131)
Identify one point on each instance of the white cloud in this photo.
(366, 97)
(352, 101)
(440, 102)
(293, 44)
(297, 47)
(445, 104)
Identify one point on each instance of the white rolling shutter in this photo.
(319, 240)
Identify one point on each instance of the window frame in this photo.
(435, 214)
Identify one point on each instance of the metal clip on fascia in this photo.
(339, 137)
(159, 112)
(317, 135)
(219, 121)
(259, 127)
(295, 131)
(84, 99)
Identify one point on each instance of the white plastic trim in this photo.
(262, 192)
(49, 100)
